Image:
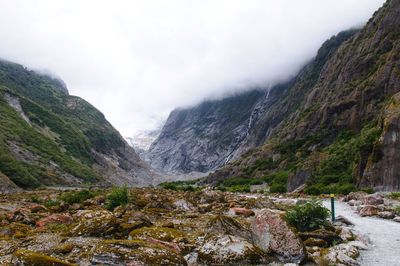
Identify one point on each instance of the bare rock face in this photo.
(271, 233)
(384, 174)
(7, 186)
(202, 138)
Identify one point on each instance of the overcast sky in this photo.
(137, 60)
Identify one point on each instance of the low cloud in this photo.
(137, 60)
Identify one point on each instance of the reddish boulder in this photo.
(242, 211)
(271, 233)
(55, 219)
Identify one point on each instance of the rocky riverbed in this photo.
(165, 227)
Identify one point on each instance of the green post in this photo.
(333, 207)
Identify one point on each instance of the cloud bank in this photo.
(137, 60)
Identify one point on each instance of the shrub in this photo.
(77, 196)
(117, 197)
(51, 203)
(35, 199)
(189, 185)
(397, 210)
(394, 195)
(239, 188)
(309, 216)
(367, 190)
(277, 188)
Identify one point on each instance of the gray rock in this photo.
(220, 250)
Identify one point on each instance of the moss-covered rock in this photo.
(315, 242)
(27, 257)
(220, 250)
(94, 223)
(160, 233)
(135, 252)
(15, 230)
(329, 236)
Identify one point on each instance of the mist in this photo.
(138, 60)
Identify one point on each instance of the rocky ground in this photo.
(165, 227)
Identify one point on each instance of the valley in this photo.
(242, 178)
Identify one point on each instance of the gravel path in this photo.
(383, 234)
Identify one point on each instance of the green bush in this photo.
(307, 217)
(394, 195)
(397, 210)
(51, 203)
(77, 196)
(117, 197)
(239, 188)
(189, 185)
(367, 190)
(278, 188)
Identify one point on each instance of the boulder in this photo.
(33, 208)
(355, 196)
(271, 233)
(57, 218)
(329, 236)
(386, 215)
(355, 202)
(227, 249)
(373, 199)
(212, 196)
(396, 219)
(241, 211)
(315, 242)
(346, 234)
(27, 257)
(368, 210)
(134, 253)
(183, 205)
(15, 230)
(341, 255)
(159, 233)
(21, 215)
(131, 221)
(343, 220)
(94, 223)
(226, 225)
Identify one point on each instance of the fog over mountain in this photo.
(137, 60)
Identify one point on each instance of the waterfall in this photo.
(253, 115)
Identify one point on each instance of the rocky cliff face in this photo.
(206, 136)
(340, 128)
(214, 133)
(48, 137)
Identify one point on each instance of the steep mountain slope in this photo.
(341, 129)
(48, 137)
(208, 136)
(203, 137)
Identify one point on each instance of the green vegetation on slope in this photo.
(61, 136)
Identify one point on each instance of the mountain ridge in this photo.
(339, 137)
(49, 137)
